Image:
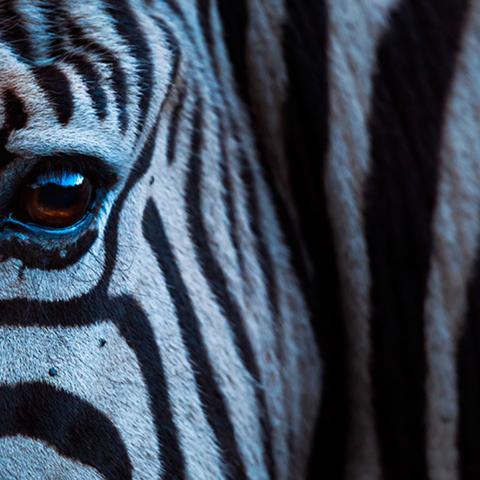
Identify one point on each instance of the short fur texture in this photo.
(170, 338)
(282, 265)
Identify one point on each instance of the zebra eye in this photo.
(56, 199)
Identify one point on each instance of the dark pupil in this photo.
(54, 205)
(56, 197)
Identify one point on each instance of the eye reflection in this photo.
(56, 199)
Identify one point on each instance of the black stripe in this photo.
(13, 32)
(111, 230)
(174, 124)
(239, 9)
(235, 36)
(306, 112)
(133, 34)
(468, 367)
(118, 77)
(263, 254)
(172, 4)
(56, 86)
(204, 7)
(228, 194)
(235, 19)
(137, 331)
(15, 118)
(211, 397)
(50, 79)
(266, 262)
(267, 266)
(217, 280)
(67, 423)
(415, 66)
(187, 28)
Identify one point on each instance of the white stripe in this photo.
(354, 31)
(456, 230)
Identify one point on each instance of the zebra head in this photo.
(151, 322)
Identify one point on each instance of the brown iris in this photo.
(57, 199)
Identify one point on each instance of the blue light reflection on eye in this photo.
(61, 178)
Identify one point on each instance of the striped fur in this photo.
(176, 328)
(288, 238)
(400, 183)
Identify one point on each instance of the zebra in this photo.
(239, 240)
(153, 324)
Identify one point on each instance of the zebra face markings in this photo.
(108, 411)
(136, 256)
(74, 256)
(100, 111)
